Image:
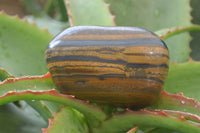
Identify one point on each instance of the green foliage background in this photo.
(22, 49)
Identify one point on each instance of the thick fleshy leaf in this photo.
(54, 27)
(4, 75)
(15, 120)
(176, 102)
(40, 108)
(36, 83)
(167, 33)
(52, 106)
(22, 46)
(155, 15)
(89, 12)
(37, 105)
(67, 120)
(127, 120)
(187, 116)
(94, 114)
(38, 88)
(184, 78)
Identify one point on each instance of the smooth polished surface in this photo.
(120, 66)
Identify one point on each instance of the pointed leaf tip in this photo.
(4, 74)
(47, 75)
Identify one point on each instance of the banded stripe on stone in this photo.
(120, 63)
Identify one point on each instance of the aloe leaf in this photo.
(22, 45)
(52, 106)
(167, 33)
(54, 27)
(36, 83)
(14, 120)
(146, 119)
(40, 108)
(160, 130)
(4, 74)
(36, 105)
(67, 120)
(38, 88)
(89, 12)
(156, 15)
(176, 102)
(187, 116)
(94, 114)
(184, 78)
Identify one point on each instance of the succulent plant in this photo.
(30, 102)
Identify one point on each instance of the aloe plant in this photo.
(30, 102)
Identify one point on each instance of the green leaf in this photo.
(54, 27)
(40, 108)
(89, 12)
(62, 9)
(67, 120)
(167, 33)
(127, 120)
(38, 88)
(22, 47)
(158, 130)
(176, 102)
(14, 120)
(36, 105)
(4, 75)
(155, 15)
(184, 78)
(36, 83)
(52, 106)
(94, 114)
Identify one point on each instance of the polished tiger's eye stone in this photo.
(119, 66)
